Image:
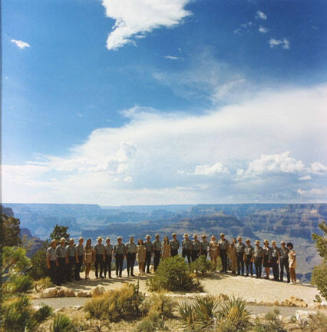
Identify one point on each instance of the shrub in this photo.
(270, 323)
(62, 323)
(201, 266)
(18, 284)
(319, 278)
(152, 322)
(43, 284)
(316, 323)
(39, 265)
(172, 274)
(42, 314)
(114, 305)
(161, 304)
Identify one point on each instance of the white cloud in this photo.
(305, 178)
(261, 15)
(284, 43)
(171, 57)
(262, 29)
(20, 44)
(133, 19)
(318, 168)
(138, 162)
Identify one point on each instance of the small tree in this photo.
(39, 265)
(10, 231)
(319, 275)
(59, 232)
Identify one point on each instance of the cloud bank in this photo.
(133, 19)
(270, 148)
(20, 44)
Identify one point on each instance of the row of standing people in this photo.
(65, 261)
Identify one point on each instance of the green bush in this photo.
(115, 305)
(153, 322)
(18, 284)
(201, 266)
(42, 314)
(161, 304)
(172, 274)
(270, 323)
(39, 264)
(62, 323)
(319, 278)
(43, 283)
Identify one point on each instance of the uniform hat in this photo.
(203, 236)
(53, 241)
(119, 238)
(99, 238)
(62, 239)
(185, 234)
(81, 238)
(147, 236)
(108, 238)
(71, 240)
(222, 234)
(257, 241)
(282, 242)
(174, 234)
(247, 240)
(195, 235)
(265, 241)
(239, 238)
(157, 235)
(273, 241)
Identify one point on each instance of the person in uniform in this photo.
(88, 258)
(71, 253)
(156, 251)
(214, 251)
(99, 258)
(131, 250)
(141, 254)
(240, 248)
(232, 256)
(275, 254)
(149, 250)
(120, 253)
(174, 245)
(79, 258)
(258, 258)
(187, 247)
(196, 248)
(204, 245)
(292, 262)
(108, 249)
(223, 248)
(248, 257)
(266, 257)
(166, 249)
(283, 262)
(52, 262)
(62, 260)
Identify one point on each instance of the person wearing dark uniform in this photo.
(120, 253)
(275, 260)
(283, 262)
(223, 248)
(204, 245)
(248, 255)
(108, 249)
(52, 262)
(157, 252)
(266, 258)
(174, 245)
(240, 248)
(196, 248)
(62, 260)
(149, 250)
(258, 258)
(131, 250)
(71, 253)
(99, 258)
(187, 247)
(79, 258)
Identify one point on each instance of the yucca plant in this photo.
(62, 323)
(186, 311)
(205, 309)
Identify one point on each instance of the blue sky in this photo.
(138, 102)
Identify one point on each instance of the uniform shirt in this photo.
(267, 252)
(284, 253)
(240, 247)
(204, 246)
(174, 244)
(196, 245)
(148, 246)
(257, 252)
(120, 249)
(131, 248)
(61, 251)
(156, 245)
(79, 250)
(71, 251)
(275, 252)
(99, 249)
(223, 244)
(248, 250)
(108, 249)
(51, 254)
(187, 244)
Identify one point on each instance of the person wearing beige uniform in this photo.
(88, 258)
(292, 262)
(214, 250)
(166, 250)
(232, 256)
(141, 255)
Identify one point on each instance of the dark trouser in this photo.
(99, 261)
(187, 253)
(61, 271)
(70, 267)
(284, 264)
(275, 268)
(240, 263)
(195, 255)
(131, 257)
(258, 267)
(119, 264)
(174, 252)
(204, 253)
(223, 256)
(249, 265)
(107, 266)
(156, 259)
(53, 272)
(148, 261)
(78, 268)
